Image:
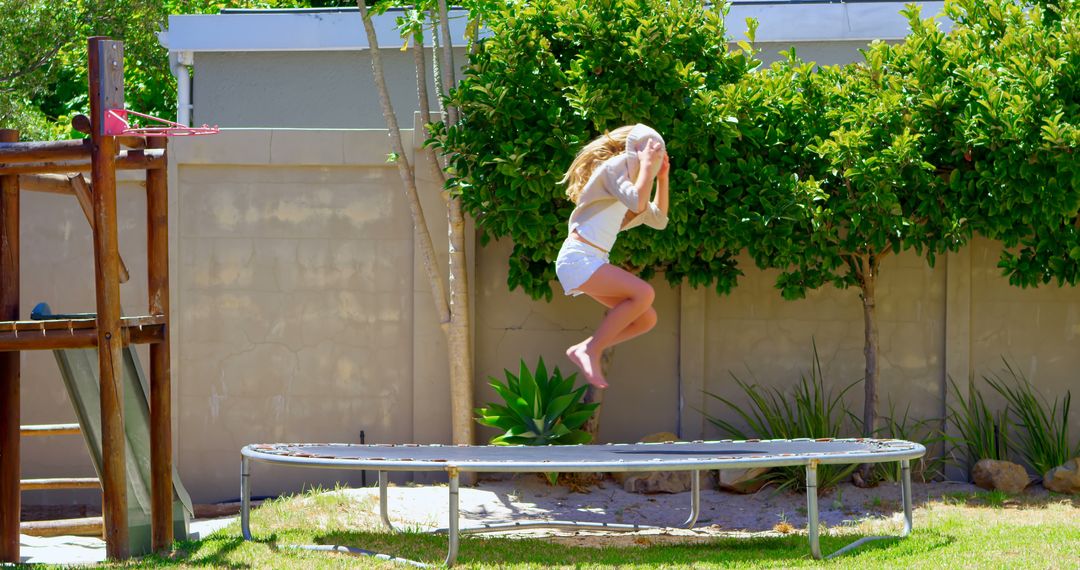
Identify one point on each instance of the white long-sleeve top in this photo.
(604, 201)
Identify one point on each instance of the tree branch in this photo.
(41, 62)
(448, 61)
(425, 112)
(420, 229)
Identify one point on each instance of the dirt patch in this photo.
(845, 509)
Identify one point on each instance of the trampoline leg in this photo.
(905, 490)
(245, 497)
(695, 499)
(451, 555)
(384, 502)
(812, 509)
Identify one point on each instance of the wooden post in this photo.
(106, 92)
(10, 498)
(157, 248)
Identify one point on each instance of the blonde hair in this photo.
(588, 158)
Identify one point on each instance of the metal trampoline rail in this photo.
(901, 451)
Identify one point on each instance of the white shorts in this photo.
(576, 263)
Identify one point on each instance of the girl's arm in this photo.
(655, 213)
(652, 161)
(661, 200)
(634, 194)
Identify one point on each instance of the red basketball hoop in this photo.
(116, 124)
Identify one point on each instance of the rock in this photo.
(1064, 478)
(743, 481)
(649, 482)
(659, 437)
(652, 482)
(999, 475)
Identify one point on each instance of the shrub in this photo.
(554, 74)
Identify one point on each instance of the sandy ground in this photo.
(767, 512)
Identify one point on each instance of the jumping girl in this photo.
(611, 181)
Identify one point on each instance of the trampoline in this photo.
(670, 456)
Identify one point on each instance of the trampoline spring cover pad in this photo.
(587, 458)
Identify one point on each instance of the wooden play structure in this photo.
(55, 167)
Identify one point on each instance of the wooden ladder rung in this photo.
(89, 526)
(50, 429)
(75, 333)
(60, 483)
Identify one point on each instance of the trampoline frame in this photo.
(904, 455)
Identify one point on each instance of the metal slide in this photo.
(79, 369)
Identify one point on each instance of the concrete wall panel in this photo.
(302, 312)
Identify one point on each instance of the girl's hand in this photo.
(665, 167)
(651, 157)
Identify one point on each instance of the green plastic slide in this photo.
(79, 369)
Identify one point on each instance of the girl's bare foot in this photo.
(588, 363)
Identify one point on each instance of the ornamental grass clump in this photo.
(1041, 436)
(983, 434)
(813, 411)
(904, 427)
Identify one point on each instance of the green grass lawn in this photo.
(986, 530)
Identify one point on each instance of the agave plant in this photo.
(540, 409)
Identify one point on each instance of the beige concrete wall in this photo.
(301, 312)
(1037, 330)
(757, 336)
(294, 260)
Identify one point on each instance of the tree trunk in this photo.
(420, 62)
(870, 348)
(459, 338)
(868, 282)
(420, 231)
(453, 314)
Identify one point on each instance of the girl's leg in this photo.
(640, 326)
(635, 299)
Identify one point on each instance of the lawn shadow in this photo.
(211, 552)
(1036, 499)
(767, 551)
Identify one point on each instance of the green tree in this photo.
(818, 172)
(1017, 73)
(43, 79)
(553, 75)
(869, 193)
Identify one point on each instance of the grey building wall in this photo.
(822, 53)
(304, 89)
(336, 89)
